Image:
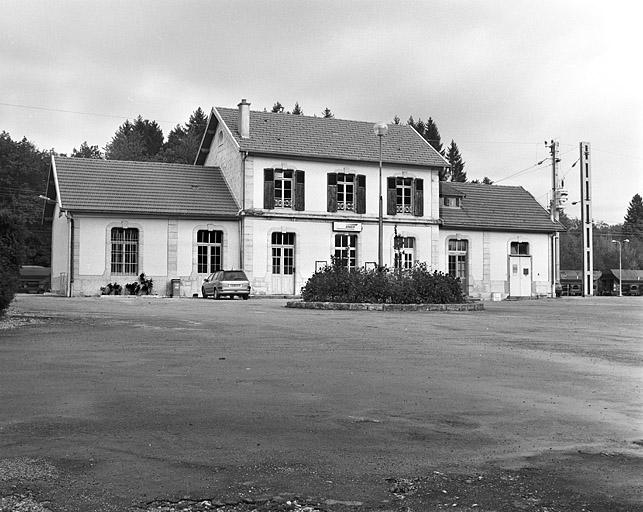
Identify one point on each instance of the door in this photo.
(283, 263)
(520, 276)
(457, 259)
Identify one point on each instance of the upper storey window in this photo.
(346, 192)
(283, 188)
(405, 196)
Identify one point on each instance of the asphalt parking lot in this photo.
(121, 403)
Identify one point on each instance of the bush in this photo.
(335, 283)
(11, 253)
(141, 287)
(111, 289)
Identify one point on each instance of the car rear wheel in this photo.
(244, 297)
(216, 294)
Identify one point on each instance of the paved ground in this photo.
(132, 403)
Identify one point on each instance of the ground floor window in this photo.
(404, 252)
(124, 259)
(209, 251)
(346, 250)
(457, 256)
(283, 253)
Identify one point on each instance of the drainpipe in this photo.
(242, 212)
(70, 252)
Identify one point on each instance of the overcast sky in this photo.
(499, 78)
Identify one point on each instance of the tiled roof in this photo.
(577, 275)
(318, 137)
(628, 274)
(495, 208)
(92, 185)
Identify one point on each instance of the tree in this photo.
(432, 136)
(485, 181)
(297, 110)
(277, 108)
(11, 256)
(396, 119)
(633, 224)
(327, 113)
(457, 165)
(23, 177)
(86, 151)
(138, 141)
(183, 141)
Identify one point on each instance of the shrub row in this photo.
(335, 283)
(141, 287)
(11, 253)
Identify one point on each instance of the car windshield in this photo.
(234, 275)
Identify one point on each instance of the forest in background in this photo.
(24, 170)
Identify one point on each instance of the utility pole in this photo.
(554, 213)
(586, 219)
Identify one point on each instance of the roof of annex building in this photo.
(323, 138)
(495, 208)
(109, 186)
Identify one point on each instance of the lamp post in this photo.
(620, 267)
(380, 130)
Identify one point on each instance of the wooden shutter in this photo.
(391, 196)
(268, 189)
(418, 197)
(331, 192)
(360, 206)
(300, 190)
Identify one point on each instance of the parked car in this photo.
(228, 283)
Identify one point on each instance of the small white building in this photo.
(279, 195)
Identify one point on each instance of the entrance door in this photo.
(283, 263)
(457, 253)
(520, 276)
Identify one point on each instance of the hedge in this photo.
(11, 253)
(418, 285)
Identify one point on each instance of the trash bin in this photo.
(176, 288)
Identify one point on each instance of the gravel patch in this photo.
(21, 503)
(22, 468)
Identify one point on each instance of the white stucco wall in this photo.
(167, 250)
(315, 241)
(488, 260)
(59, 253)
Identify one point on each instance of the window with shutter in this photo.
(391, 196)
(361, 194)
(300, 191)
(331, 192)
(268, 189)
(418, 197)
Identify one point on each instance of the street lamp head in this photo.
(614, 241)
(380, 128)
(627, 240)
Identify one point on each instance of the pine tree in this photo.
(327, 113)
(633, 223)
(138, 141)
(87, 151)
(396, 119)
(277, 108)
(183, 141)
(297, 110)
(457, 165)
(432, 136)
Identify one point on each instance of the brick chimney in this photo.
(244, 119)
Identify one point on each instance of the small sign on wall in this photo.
(354, 227)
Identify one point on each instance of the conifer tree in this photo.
(457, 164)
(297, 110)
(633, 222)
(327, 113)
